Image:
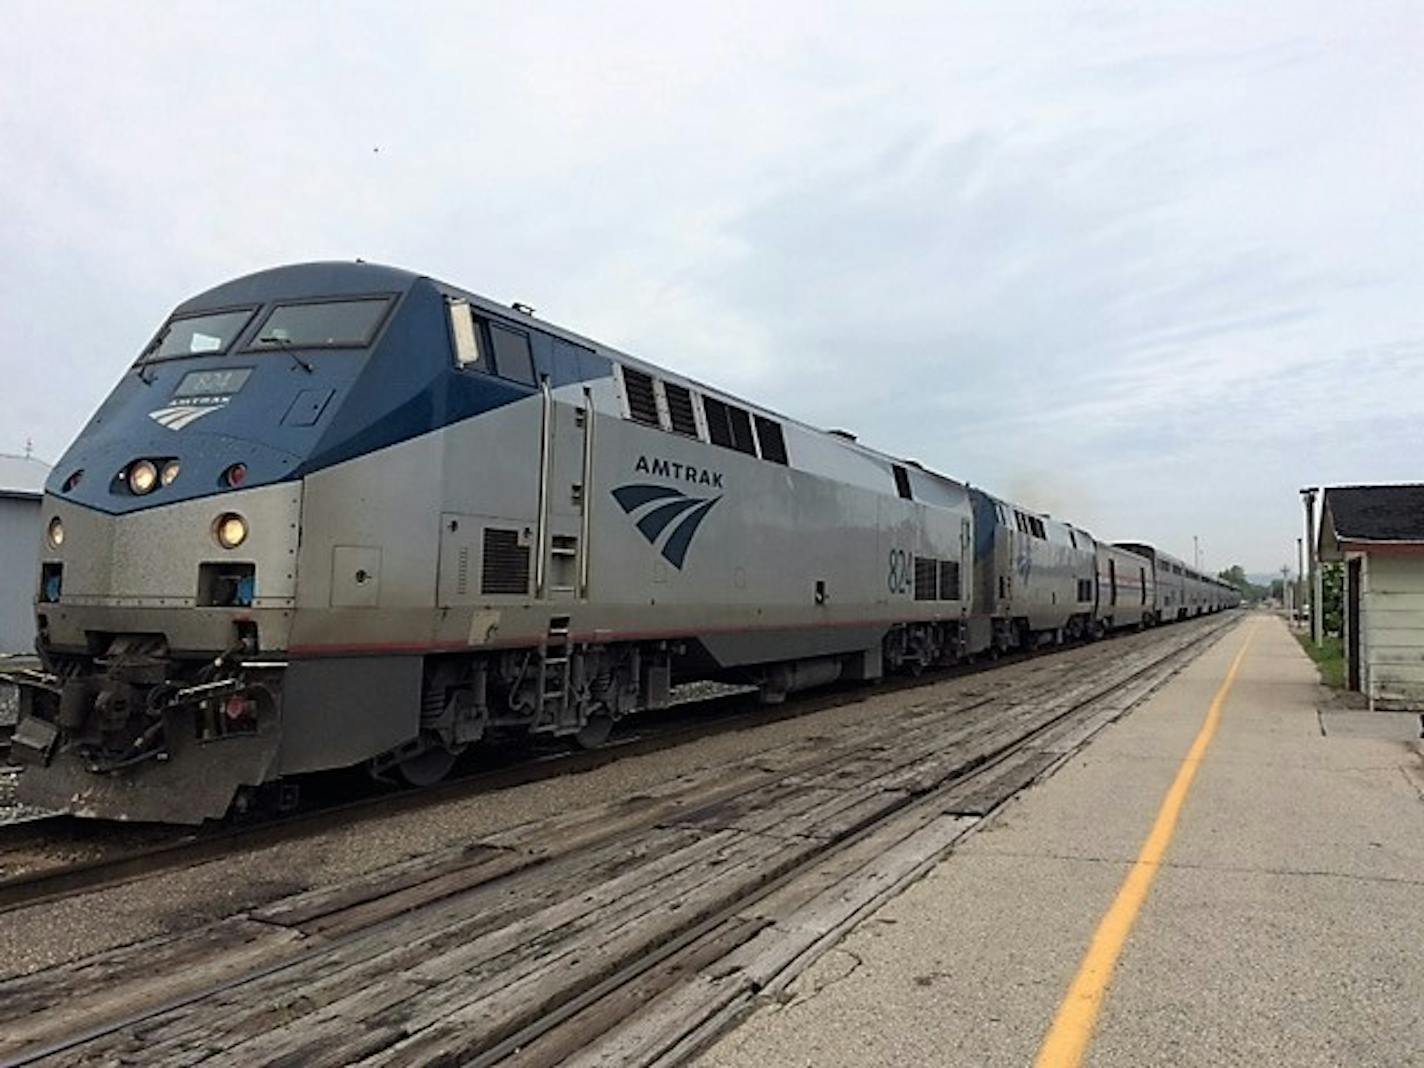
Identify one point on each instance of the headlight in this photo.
(143, 476)
(170, 471)
(55, 532)
(230, 530)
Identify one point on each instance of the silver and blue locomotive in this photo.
(338, 514)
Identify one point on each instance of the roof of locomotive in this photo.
(334, 278)
(301, 281)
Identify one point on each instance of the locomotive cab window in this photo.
(198, 335)
(512, 358)
(331, 324)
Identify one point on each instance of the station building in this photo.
(22, 480)
(1378, 533)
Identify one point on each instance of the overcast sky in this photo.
(1151, 268)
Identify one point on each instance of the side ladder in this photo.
(556, 677)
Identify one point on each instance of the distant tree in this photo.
(1235, 575)
(1278, 589)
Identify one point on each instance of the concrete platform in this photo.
(1286, 925)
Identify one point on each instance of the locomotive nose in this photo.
(180, 570)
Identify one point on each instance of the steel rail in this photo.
(548, 1024)
(188, 847)
(684, 942)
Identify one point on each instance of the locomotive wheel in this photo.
(427, 767)
(595, 732)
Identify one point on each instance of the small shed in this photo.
(1378, 533)
(22, 480)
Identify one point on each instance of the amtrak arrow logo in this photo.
(179, 416)
(662, 506)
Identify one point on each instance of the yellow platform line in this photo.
(1072, 1029)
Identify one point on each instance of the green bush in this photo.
(1329, 657)
(1332, 599)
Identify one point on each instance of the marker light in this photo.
(143, 477)
(170, 472)
(230, 530)
(55, 532)
(235, 475)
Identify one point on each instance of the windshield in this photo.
(335, 323)
(200, 334)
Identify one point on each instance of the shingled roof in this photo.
(1374, 514)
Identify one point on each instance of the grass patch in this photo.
(1329, 657)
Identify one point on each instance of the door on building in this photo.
(1352, 623)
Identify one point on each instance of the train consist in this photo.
(339, 514)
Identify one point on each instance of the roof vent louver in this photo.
(679, 404)
(642, 401)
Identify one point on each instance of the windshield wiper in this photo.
(142, 366)
(285, 344)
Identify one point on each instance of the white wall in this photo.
(1392, 630)
(19, 553)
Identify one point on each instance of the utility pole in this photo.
(1196, 555)
(1299, 575)
(1286, 591)
(1317, 625)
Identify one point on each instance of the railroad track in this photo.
(627, 933)
(115, 853)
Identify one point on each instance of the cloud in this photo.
(1150, 270)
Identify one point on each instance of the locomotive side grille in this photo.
(679, 402)
(949, 580)
(926, 578)
(505, 566)
(462, 571)
(729, 426)
(642, 402)
(773, 442)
